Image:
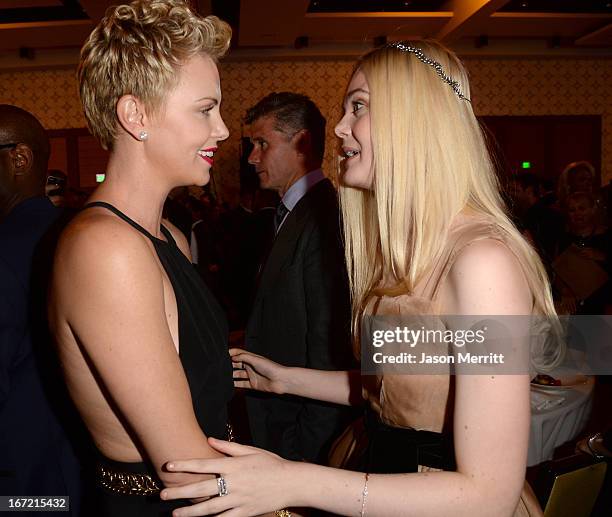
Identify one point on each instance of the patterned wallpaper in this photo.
(499, 87)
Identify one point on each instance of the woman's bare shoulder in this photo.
(99, 233)
(487, 278)
(101, 252)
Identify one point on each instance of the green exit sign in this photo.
(100, 178)
(526, 165)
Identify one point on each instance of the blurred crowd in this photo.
(227, 243)
(567, 222)
(569, 225)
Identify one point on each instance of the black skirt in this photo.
(394, 450)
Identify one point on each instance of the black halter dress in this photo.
(203, 337)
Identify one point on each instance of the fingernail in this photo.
(170, 466)
(163, 494)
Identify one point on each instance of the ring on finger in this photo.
(221, 487)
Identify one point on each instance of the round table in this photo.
(556, 425)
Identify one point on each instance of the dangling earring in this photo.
(143, 135)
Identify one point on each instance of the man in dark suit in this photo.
(301, 311)
(36, 455)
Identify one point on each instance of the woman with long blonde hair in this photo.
(426, 235)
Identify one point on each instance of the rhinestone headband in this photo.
(418, 53)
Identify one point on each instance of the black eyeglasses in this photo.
(8, 146)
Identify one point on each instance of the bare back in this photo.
(121, 297)
(91, 398)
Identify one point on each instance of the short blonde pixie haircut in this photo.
(137, 49)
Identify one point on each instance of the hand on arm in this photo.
(491, 427)
(114, 304)
(247, 476)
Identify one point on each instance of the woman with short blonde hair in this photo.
(140, 48)
(141, 340)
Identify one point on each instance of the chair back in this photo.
(574, 493)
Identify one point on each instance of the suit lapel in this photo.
(291, 230)
(280, 253)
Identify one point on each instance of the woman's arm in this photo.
(255, 372)
(113, 298)
(491, 428)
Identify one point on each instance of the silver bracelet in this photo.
(364, 495)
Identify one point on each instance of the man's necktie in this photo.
(281, 212)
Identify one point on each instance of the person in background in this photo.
(538, 221)
(142, 341)
(580, 176)
(591, 241)
(55, 188)
(238, 267)
(301, 311)
(250, 234)
(427, 234)
(176, 211)
(204, 246)
(38, 430)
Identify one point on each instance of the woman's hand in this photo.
(257, 482)
(257, 373)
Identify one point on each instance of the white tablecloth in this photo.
(554, 426)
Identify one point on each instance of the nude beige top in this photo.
(424, 402)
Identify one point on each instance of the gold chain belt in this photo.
(127, 483)
(130, 483)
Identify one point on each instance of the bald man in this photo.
(36, 455)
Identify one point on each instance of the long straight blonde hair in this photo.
(430, 161)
